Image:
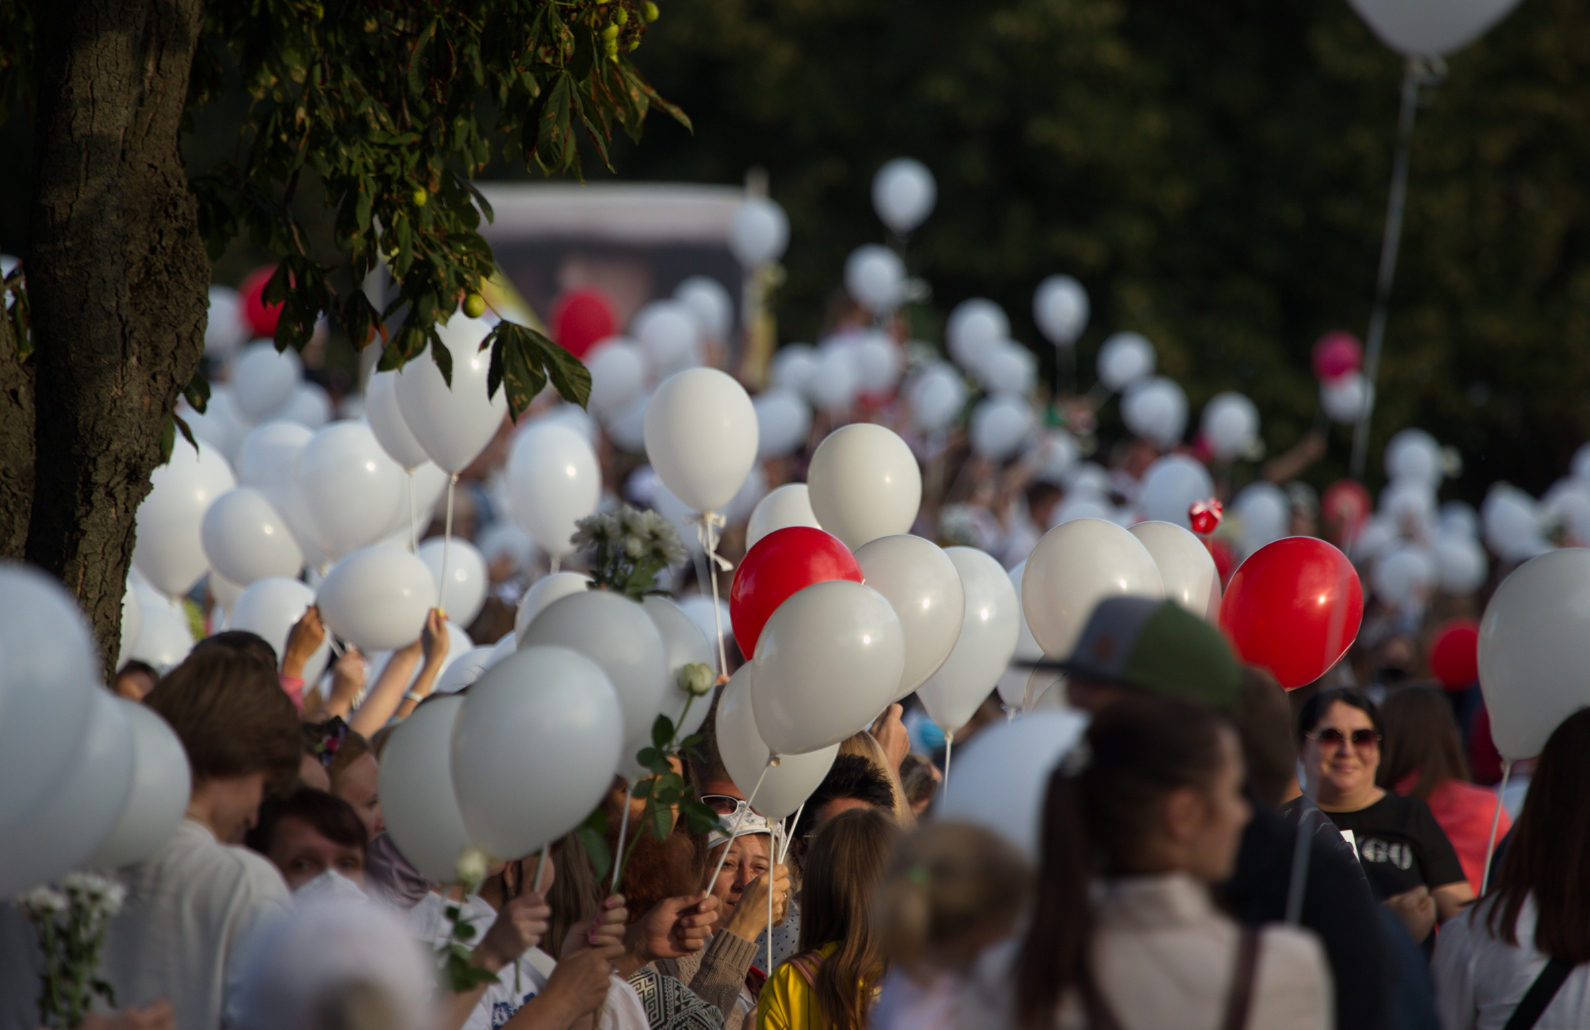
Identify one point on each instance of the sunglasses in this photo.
(723, 804)
(1336, 738)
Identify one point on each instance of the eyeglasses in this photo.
(723, 804)
(1360, 738)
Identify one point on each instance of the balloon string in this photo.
(414, 517)
(541, 868)
(1496, 824)
(555, 565)
(623, 825)
(447, 543)
(949, 746)
(789, 836)
(738, 819)
(1300, 854)
(708, 531)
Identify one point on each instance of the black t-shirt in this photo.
(1401, 845)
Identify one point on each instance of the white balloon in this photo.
(879, 362)
(618, 375)
(415, 780)
(1511, 522)
(543, 592)
(1461, 567)
(1171, 485)
(1073, 568)
(683, 643)
(268, 459)
(1230, 425)
(1124, 359)
(1345, 399)
(789, 505)
(922, 585)
(77, 812)
(271, 607)
(245, 538)
(745, 500)
(158, 796)
(1458, 518)
(263, 378)
(164, 638)
(784, 787)
(793, 366)
(1186, 570)
(48, 690)
(131, 623)
(678, 512)
(534, 749)
(864, 483)
(974, 327)
(875, 278)
(710, 302)
(463, 670)
(464, 593)
(454, 424)
(1009, 368)
(701, 437)
(1414, 455)
(343, 476)
(782, 422)
(503, 648)
(553, 482)
(903, 194)
(618, 635)
(937, 398)
(1534, 648)
(309, 405)
(835, 379)
(169, 549)
(1060, 307)
(222, 425)
(1409, 501)
(828, 661)
(1000, 425)
(1402, 576)
(669, 335)
(1015, 682)
(983, 650)
(1155, 409)
(1429, 27)
(1265, 512)
(628, 429)
(1002, 778)
(505, 540)
(700, 611)
(386, 421)
(224, 330)
(377, 598)
(759, 232)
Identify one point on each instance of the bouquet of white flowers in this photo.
(70, 920)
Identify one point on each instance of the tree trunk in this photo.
(117, 279)
(16, 447)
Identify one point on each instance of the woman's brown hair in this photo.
(1550, 850)
(1421, 738)
(843, 869)
(1104, 799)
(232, 716)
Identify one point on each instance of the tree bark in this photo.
(16, 446)
(117, 279)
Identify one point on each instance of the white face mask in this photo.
(329, 884)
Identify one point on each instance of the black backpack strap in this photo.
(1539, 995)
(1239, 1000)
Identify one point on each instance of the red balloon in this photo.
(1293, 608)
(784, 561)
(260, 317)
(1455, 653)
(582, 318)
(1336, 354)
(1344, 508)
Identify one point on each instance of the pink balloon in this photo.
(1337, 354)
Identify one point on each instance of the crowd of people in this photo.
(1213, 853)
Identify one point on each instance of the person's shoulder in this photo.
(1291, 952)
(200, 861)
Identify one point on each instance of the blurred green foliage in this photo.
(1215, 174)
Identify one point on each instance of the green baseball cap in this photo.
(1157, 646)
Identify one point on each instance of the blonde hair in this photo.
(951, 889)
(865, 745)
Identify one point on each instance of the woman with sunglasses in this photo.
(1406, 855)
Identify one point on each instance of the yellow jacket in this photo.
(788, 1001)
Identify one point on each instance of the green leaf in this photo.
(662, 732)
(662, 821)
(187, 433)
(197, 394)
(443, 358)
(168, 438)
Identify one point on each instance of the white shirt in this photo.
(428, 922)
(1479, 979)
(188, 908)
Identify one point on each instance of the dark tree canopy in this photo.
(1215, 174)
